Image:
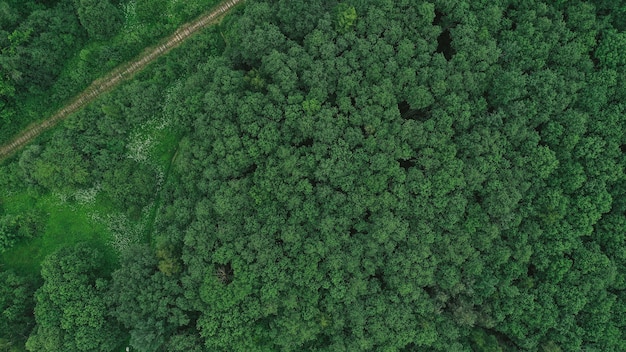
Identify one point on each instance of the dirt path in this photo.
(113, 78)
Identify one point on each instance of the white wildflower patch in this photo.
(130, 14)
(61, 197)
(160, 180)
(171, 99)
(142, 141)
(139, 147)
(86, 196)
(124, 232)
(162, 122)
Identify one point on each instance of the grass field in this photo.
(64, 223)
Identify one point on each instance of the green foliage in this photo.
(311, 106)
(58, 47)
(346, 16)
(35, 42)
(437, 191)
(71, 311)
(9, 15)
(100, 18)
(130, 185)
(17, 228)
(138, 287)
(56, 168)
(445, 176)
(611, 49)
(254, 79)
(39, 46)
(151, 10)
(48, 224)
(168, 262)
(16, 307)
(485, 342)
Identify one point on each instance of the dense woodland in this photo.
(359, 175)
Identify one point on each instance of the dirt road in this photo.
(113, 78)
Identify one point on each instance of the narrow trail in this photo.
(118, 75)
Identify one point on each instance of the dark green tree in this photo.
(16, 307)
(145, 299)
(101, 19)
(71, 311)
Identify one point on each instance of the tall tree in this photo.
(101, 19)
(71, 310)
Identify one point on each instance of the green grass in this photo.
(166, 146)
(64, 224)
(161, 155)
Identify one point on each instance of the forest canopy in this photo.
(362, 175)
